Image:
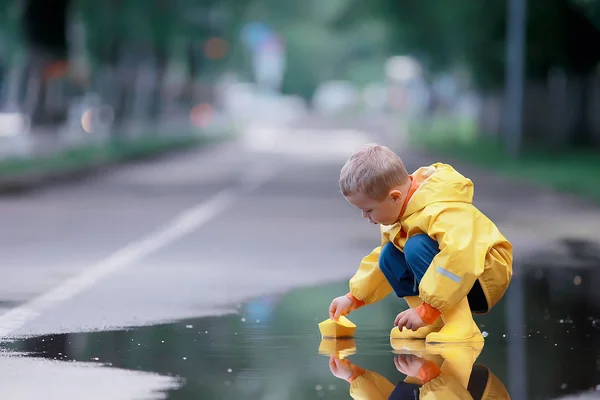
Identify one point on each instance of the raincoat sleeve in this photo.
(370, 386)
(459, 263)
(369, 285)
(444, 388)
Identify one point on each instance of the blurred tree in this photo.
(316, 52)
(443, 34)
(152, 35)
(560, 35)
(591, 9)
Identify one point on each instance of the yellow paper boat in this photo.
(342, 328)
(341, 348)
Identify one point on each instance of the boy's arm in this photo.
(447, 388)
(369, 285)
(459, 263)
(370, 386)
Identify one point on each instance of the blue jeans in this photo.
(404, 271)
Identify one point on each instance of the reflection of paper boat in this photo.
(341, 348)
(342, 328)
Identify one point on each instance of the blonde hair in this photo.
(372, 170)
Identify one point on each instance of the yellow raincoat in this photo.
(372, 386)
(481, 387)
(440, 204)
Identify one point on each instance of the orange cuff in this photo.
(356, 373)
(428, 313)
(357, 303)
(429, 371)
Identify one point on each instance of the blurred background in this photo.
(506, 90)
(478, 66)
(513, 76)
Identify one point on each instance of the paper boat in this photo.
(340, 348)
(342, 328)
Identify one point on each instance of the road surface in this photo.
(148, 255)
(188, 236)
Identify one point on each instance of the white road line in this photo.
(184, 224)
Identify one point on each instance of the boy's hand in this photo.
(341, 369)
(408, 364)
(340, 306)
(409, 319)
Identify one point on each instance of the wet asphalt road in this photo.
(203, 276)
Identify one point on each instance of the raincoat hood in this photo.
(435, 184)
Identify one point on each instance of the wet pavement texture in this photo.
(543, 342)
(85, 258)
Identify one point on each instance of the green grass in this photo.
(91, 155)
(573, 171)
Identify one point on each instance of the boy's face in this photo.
(385, 212)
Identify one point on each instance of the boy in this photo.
(438, 251)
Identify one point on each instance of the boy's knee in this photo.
(417, 245)
(387, 254)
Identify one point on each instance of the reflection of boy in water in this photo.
(425, 379)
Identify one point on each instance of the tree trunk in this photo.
(582, 134)
(158, 95)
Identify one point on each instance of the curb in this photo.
(108, 157)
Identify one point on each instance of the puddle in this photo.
(543, 343)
